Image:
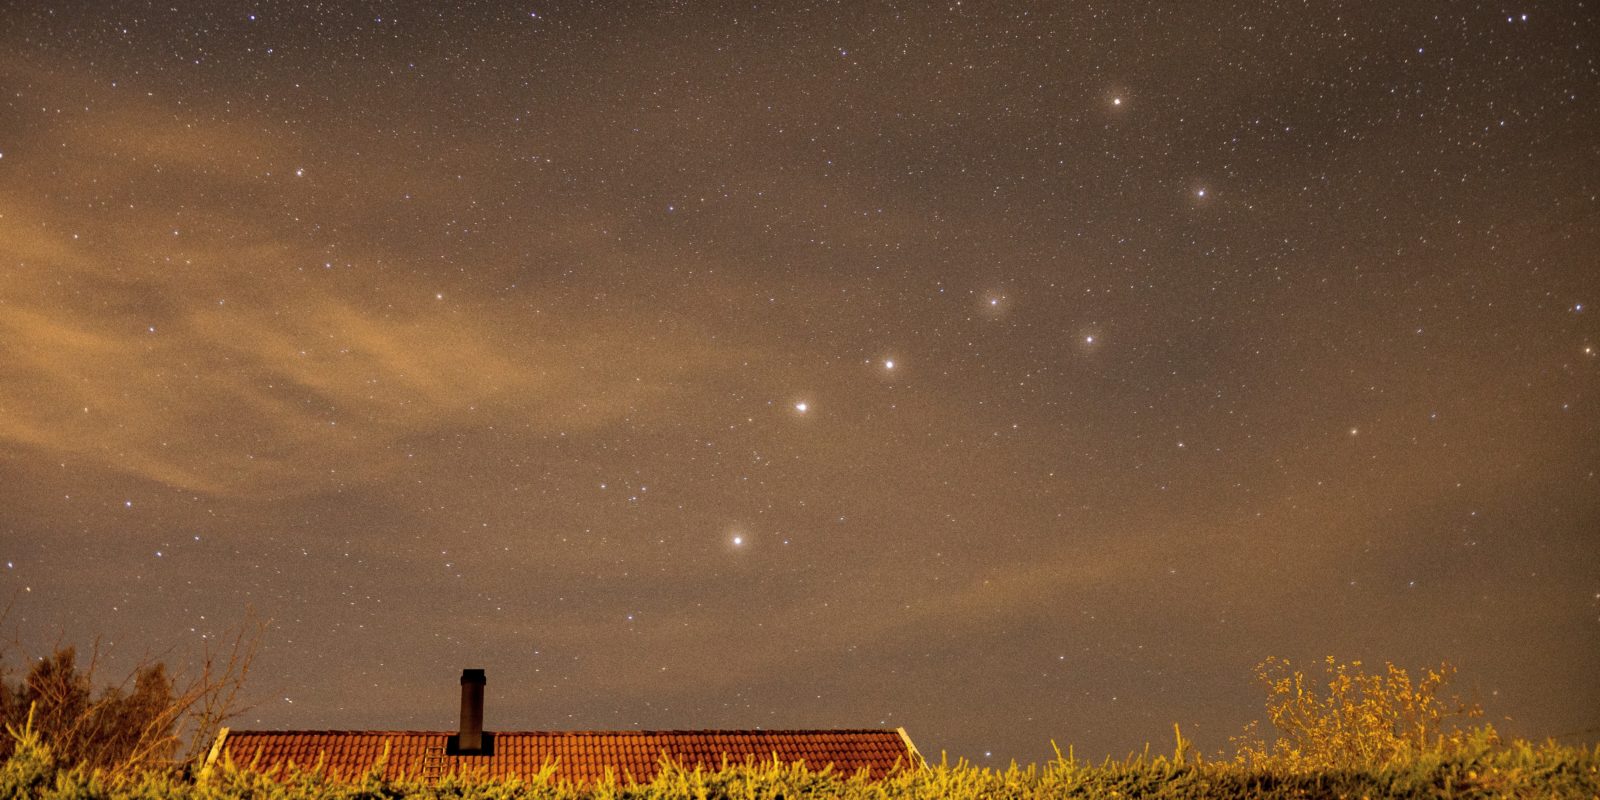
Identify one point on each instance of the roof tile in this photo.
(582, 756)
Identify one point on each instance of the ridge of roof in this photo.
(629, 732)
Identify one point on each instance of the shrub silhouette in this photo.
(141, 721)
(117, 727)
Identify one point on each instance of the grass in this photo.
(1486, 769)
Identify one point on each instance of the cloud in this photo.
(163, 318)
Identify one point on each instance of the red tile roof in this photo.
(580, 756)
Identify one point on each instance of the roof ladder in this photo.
(433, 762)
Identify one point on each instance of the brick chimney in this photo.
(471, 739)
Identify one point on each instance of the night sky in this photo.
(1005, 372)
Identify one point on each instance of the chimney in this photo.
(470, 739)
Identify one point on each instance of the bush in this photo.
(141, 721)
(117, 727)
(1363, 721)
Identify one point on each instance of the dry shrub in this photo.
(1357, 720)
(141, 721)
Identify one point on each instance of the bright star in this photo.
(888, 364)
(1200, 193)
(1116, 101)
(738, 540)
(800, 407)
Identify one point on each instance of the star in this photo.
(1116, 101)
(738, 541)
(888, 363)
(801, 407)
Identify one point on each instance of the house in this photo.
(578, 756)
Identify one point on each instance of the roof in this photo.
(579, 756)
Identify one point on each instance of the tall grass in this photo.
(1482, 770)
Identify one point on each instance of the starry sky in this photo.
(1004, 371)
